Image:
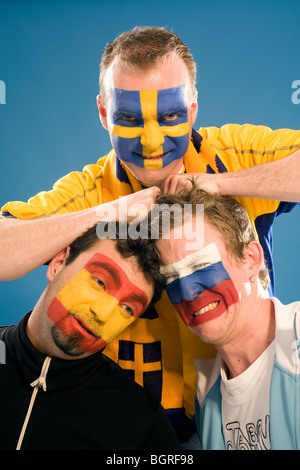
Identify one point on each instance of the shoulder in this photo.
(122, 383)
(287, 334)
(208, 372)
(147, 423)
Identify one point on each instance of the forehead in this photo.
(199, 259)
(170, 99)
(187, 240)
(108, 248)
(168, 73)
(104, 258)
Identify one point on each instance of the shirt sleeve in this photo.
(251, 145)
(244, 146)
(73, 192)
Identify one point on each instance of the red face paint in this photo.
(96, 305)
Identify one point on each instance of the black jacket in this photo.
(80, 404)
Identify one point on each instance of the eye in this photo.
(128, 118)
(170, 117)
(128, 310)
(99, 282)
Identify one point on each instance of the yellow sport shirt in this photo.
(157, 350)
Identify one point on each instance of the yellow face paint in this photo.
(97, 304)
(150, 127)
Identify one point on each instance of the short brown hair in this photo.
(141, 48)
(228, 216)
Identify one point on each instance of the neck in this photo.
(35, 329)
(251, 341)
(179, 169)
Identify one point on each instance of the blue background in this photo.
(247, 54)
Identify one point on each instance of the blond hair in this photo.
(228, 216)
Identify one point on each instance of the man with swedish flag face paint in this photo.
(149, 117)
(57, 389)
(148, 104)
(150, 134)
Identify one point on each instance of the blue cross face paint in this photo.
(150, 127)
(199, 286)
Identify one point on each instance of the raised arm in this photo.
(260, 163)
(27, 244)
(278, 180)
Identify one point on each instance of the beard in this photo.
(69, 345)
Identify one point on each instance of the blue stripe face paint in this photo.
(150, 127)
(197, 281)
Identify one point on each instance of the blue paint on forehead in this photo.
(125, 103)
(172, 101)
(128, 103)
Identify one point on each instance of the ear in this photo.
(57, 263)
(255, 257)
(102, 112)
(194, 108)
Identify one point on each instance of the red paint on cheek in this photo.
(224, 292)
(122, 288)
(69, 326)
(57, 310)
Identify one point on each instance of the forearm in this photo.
(277, 180)
(27, 244)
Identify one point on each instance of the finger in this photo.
(176, 183)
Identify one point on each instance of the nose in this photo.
(105, 307)
(190, 289)
(184, 289)
(152, 139)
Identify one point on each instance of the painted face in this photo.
(199, 286)
(150, 127)
(97, 304)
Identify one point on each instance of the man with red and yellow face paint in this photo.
(59, 390)
(90, 300)
(97, 304)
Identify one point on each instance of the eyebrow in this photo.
(140, 298)
(115, 275)
(199, 260)
(109, 268)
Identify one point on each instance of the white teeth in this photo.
(208, 307)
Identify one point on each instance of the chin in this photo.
(153, 176)
(204, 332)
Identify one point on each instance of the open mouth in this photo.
(207, 308)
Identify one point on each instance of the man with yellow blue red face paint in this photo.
(148, 104)
(57, 389)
